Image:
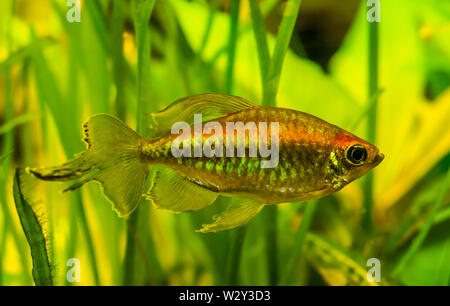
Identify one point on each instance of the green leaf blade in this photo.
(42, 272)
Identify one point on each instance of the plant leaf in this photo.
(311, 83)
(336, 266)
(32, 224)
(17, 121)
(4, 156)
(412, 131)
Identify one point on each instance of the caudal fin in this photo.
(112, 158)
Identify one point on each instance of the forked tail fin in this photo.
(112, 158)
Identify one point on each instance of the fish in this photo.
(301, 157)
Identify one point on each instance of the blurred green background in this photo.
(128, 58)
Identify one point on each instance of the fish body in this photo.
(313, 158)
(308, 165)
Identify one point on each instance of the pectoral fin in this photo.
(235, 216)
(171, 191)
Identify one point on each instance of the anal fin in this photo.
(235, 216)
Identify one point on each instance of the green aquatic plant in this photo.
(142, 10)
(445, 185)
(55, 74)
(32, 220)
(371, 118)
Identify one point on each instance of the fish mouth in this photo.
(378, 159)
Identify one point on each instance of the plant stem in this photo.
(234, 12)
(88, 236)
(270, 76)
(73, 230)
(261, 40)
(416, 244)
(94, 9)
(244, 28)
(128, 262)
(3, 235)
(118, 59)
(281, 46)
(142, 10)
(299, 240)
(234, 257)
(206, 34)
(371, 121)
(270, 215)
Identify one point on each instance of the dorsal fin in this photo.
(210, 105)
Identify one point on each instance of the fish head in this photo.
(351, 158)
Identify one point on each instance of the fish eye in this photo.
(356, 154)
